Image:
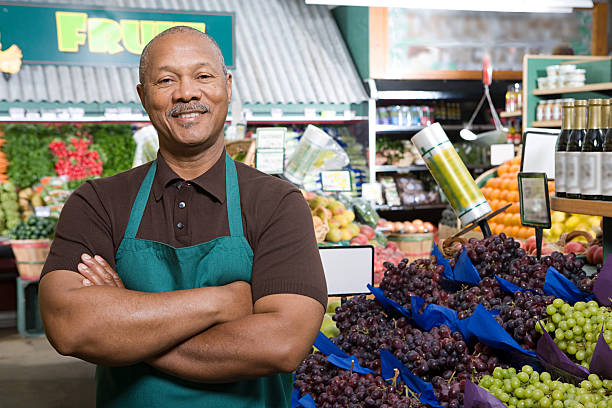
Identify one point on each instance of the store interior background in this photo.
(332, 70)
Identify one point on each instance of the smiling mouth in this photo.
(189, 115)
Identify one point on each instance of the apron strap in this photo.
(140, 203)
(232, 193)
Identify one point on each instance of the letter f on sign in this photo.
(71, 28)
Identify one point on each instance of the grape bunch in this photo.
(332, 387)
(421, 277)
(519, 316)
(487, 293)
(529, 388)
(492, 255)
(575, 329)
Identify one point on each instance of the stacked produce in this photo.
(3, 160)
(442, 356)
(528, 388)
(575, 329)
(34, 228)
(565, 223)
(9, 207)
(407, 227)
(327, 211)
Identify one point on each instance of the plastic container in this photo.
(450, 174)
(544, 83)
(540, 111)
(315, 149)
(566, 68)
(548, 110)
(552, 70)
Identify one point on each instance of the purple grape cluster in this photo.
(421, 278)
(492, 255)
(331, 387)
(519, 317)
(487, 293)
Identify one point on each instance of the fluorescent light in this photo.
(516, 6)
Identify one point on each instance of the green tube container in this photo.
(451, 174)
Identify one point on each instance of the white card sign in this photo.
(348, 269)
(337, 180)
(270, 161)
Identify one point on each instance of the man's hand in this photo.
(98, 272)
(236, 299)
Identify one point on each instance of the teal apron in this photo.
(151, 266)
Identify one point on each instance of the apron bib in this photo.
(151, 266)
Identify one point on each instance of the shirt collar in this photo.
(211, 182)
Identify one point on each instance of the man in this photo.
(199, 282)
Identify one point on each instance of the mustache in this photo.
(188, 107)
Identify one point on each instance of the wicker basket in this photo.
(414, 246)
(320, 232)
(30, 255)
(245, 146)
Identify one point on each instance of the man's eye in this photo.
(165, 81)
(204, 76)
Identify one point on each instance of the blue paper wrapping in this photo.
(327, 347)
(464, 269)
(388, 362)
(433, 315)
(441, 260)
(559, 286)
(483, 325)
(307, 402)
(508, 286)
(348, 363)
(388, 303)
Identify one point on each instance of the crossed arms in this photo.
(211, 334)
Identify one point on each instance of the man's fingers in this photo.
(90, 274)
(95, 268)
(109, 270)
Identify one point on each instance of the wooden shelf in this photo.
(452, 75)
(511, 114)
(588, 207)
(603, 86)
(546, 123)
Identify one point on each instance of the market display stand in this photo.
(589, 207)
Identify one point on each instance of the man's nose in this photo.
(186, 91)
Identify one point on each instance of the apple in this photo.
(367, 231)
(359, 239)
(334, 235)
(347, 234)
(573, 246)
(392, 245)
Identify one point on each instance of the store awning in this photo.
(287, 53)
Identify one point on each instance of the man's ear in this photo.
(228, 84)
(140, 90)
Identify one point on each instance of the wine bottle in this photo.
(606, 156)
(574, 150)
(566, 129)
(592, 148)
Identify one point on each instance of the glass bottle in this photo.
(574, 150)
(590, 159)
(560, 150)
(606, 159)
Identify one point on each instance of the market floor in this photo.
(34, 375)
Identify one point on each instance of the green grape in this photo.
(521, 404)
(550, 327)
(546, 376)
(537, 394)
(563, 325)
(556, 318)
(519, 392)
(557, 404)
(545, 402)
(577, 331)
(527, 369)
(557, 394)
(558, 303)
(523, 376)
(571, 322)
(562, 345)
(580, 355)
(580, 306)
(551, 309)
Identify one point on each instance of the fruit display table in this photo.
(589, 207)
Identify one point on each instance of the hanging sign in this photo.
(96, 36)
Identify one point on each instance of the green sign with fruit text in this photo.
(59, 34)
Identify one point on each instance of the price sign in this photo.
(501, 153)
(339, 180)
(534, 200)
(270, 161)
(348, 269)
(271, 138)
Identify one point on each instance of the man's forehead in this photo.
(171, 41)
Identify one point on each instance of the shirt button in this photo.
(179, 185)
(181, 204)
(180, 225)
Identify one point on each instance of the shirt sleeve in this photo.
(83, 227)
(286, 259)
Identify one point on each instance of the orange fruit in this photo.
(494, 204)
(499, 228)
(513, 196)
(525, 232)
(490, 182)
(495, 193)
(514, 231)
(516, 160)
(516, 219)
(505, 184)
(503, 169)
(417, 222)
(515, 168)
(508, 219)
(514, 185)
(515, 208)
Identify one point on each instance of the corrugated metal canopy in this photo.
(286, 53)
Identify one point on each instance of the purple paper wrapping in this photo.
(477, 397)
(552, 356)
(602, 287)
(601, 362)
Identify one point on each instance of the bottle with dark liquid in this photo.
(592, 149)
(574, 150)
(606, 156)
(566, 129)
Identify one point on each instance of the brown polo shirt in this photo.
(276, 220)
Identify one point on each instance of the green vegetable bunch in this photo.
(34, 228)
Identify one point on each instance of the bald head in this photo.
(144, 57)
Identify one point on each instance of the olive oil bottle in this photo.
(592, 149)
(606, 156)
(574, 150)
(566, 129)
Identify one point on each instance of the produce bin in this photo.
(30, 255)
(414, 246)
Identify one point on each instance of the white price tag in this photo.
(329, 114)
(310, 113)
(372, 192)
(339, 180)
(43, 211)
(270, 161)
(501, 153)
(276, 113)
(271, 138)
